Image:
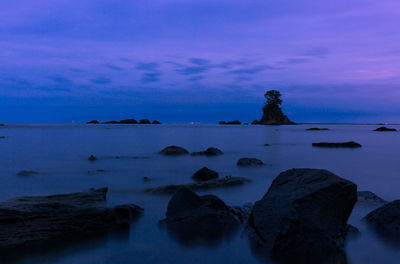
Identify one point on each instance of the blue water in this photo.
(60, 152)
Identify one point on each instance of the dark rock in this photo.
(145, 121)
(209, 152)
(92, 158)
(111, 122)
(383, 129)
(1, 125)
(385, 221)
(174, 151)
(316, 129)
(272, 112)
(128, 121)
(255, 122)
(228, 181)
(193, 217)
(249, 162)
(41, 221)
(303, 215)
(352, 231)
(93, 122)
(367, 198)
(27, 173)
(205, 174)
(147, 179)
(2, 137)
(96, 171)
(234, 122)
(350, 144)
(266, 145)
(156, 122)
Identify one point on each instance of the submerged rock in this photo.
(228, 181)
(41, 221)
(303, 215)
(128, 121)
(234, 122)
(209, 152)
(205, 174)
(350, 144)
(174, 151)
(385, 221)
(27, 173)
(192, 217)
(92, 158)
(156, 122)
(367, 198)
(316, 129)
(93, 122)
(383, 129)
(249, 162)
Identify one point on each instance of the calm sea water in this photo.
(60, 153)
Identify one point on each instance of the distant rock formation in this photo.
(93, 122)
(273, 114)
(234, 122)
(384, 129)
(173, 151)
(156, 122)
(316, 129)
(350, 144)
(128, 121)
(208, 152)
(145, 121)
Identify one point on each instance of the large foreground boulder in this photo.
(173, 151)
(42, 221)
(193, 217)
(385, 221)
(303, 216)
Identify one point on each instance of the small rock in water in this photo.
(93, 122)
(234, 122)
(248, 162)
(209, 152)
(174, 151)
(156, 122)
(350, 144)
(27, 173)
(95, 171)
(383, 129)
(2, 137)
(147, 179)
(92, 158)
(205, 174)
(266, 145)
(316, 129)
(1, 125)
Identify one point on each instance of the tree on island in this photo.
(273, 114)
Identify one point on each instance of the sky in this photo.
(199, 60)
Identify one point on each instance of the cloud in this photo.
(318, 52)
(290, 61)
(199, 61)
(151, 77)
(60, 79)
(101, 80)
(193, 70)
(147, 66)
(252, 70)
(196, 78)
(113, 67)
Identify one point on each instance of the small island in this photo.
(272, 112)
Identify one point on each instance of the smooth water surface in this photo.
(60, 152)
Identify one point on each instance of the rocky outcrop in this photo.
(249, 162)
(192, 217)
(156, 122)
(92, 158)
(303, 215)
(367, 198)
(173, 151)
(385, 221)
(27, 173)
(205, 174)
(316, 129)
(93, 122)
(385, 129)
(111, 122)
(350, 144)
(228, 181)
(273, 115)
(144, 121)
(42, 221)
(128, 121)
(208, 152)
(234, 122)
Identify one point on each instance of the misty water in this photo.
(60, 152)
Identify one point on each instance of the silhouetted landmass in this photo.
(350, 144)
(93, 122)
(272, 112)
(234, 122)
(145, 121)
(384, 129)
(156, 122)
(126, 121)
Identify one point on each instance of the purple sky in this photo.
(199, 60)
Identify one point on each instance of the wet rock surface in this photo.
(303, 215)
(249, 162)
(350, 144)
(228, 181)
(41, 221)
(191, 217)
(209, 152)
(173, 151)
(205, 174)
(385, 221)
